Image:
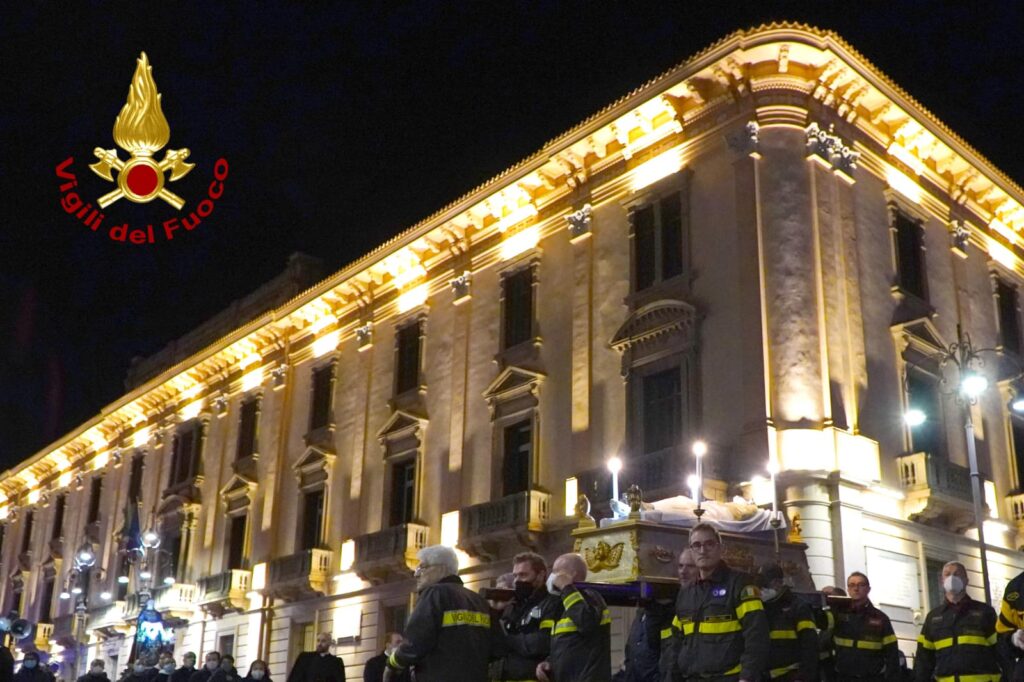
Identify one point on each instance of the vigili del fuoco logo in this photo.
(142, 131)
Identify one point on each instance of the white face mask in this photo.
(551, 585)
(257, 674)
(212, 665)
(767, 594)
(139, 668)
(953, 584)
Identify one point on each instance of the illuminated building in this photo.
(761, 247)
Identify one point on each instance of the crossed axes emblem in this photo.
(174, 161)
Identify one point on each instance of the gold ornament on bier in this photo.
(141, 130)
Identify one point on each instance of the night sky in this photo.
(343, 127)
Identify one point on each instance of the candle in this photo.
(773, 468)
(614, 466)
(700, 448)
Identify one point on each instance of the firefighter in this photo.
(720, 622)
(449, 636)
(864, 641)
(825, 620)
(793, 652)
(958, 638)
(1010, 626)
(581, 637)
(527, 622)
(686, 569)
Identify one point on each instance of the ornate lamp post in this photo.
(83, 563)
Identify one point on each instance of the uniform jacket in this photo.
(643, 644)
(720, 627)
(794, 639)
(182, 674)
(1011, 617)
(581, 638)
(527, 635)
(449, 636)
(959, 639)
(865, 645)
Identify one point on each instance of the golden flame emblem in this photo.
(141, 130)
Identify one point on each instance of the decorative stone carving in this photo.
(364, 335)
(746, 142)
(959, 237)
(278, 374)
(460, 285)
(830, 148)
(220, 405)
(579, 221)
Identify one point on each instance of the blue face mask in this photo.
(30, 663)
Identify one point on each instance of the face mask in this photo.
(523, 590)
(953, 584)
(29, 663)
(767, 594)
(95, 671)
(257, 674)
(139, 668)
(212, 665)
(169, 668)
(551, 585)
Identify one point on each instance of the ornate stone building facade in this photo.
(763, 247)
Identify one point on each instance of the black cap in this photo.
(768, 573)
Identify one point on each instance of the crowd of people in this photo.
(544, 625)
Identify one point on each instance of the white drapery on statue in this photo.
(738, 516)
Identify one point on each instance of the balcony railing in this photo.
(107, 616)
(514, 519)
(389, 551)
(177, 601)
(225, 591)
(1016, 503)
(64, 627)
(133, 605)
(938, 491)
(300, 575)
(659, 475)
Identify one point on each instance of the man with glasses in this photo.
(449, 636)
(720, 628)
(865, 644)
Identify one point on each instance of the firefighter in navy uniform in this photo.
(449, 636)
(528, 621)
(825, 620)
(720, 629)
(1010, 627)
(958, 638)
(865, 644)
(581, 637)
(793, 653)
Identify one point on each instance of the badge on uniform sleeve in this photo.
(1013, 596)
(718, 592)
(750, 592)
(535, 612)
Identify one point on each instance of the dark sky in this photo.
(342, 127)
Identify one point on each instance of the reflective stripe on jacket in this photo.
(527, 632)
(958, 640)
(721, 628)
(449, 637)
(581, 639)
(865, 644)
(794, 639)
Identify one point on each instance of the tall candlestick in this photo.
(614, 466)
(700, 448)
(773, 469)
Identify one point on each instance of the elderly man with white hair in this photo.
(449, 636)
(581, 638)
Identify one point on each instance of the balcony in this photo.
(64, 628)
(43, 635)
(658, 474)
(225, 592)
(108, 618)
(391, 551)
(511, 523)
(175, 602)
(300, 575)
(938, 491)
(133, 606)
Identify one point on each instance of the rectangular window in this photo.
(407, 358)
(236, 542)
(518, 308)
(658, 242)
(1009, 319)
(135, 480)
(58, 517)
(26, 538)
(933, 571)
(320, 407)
(662, 405)
(403, 492)
(518, 447)
(122, 577)
(1017, 426)
(95, 492)
(910, 256)
(169, 561)
(187, 452)
(46, 605)
(923, 394)
(247, 429)
(312, 519)
(395, 617)
(226, 645)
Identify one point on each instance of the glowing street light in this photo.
(1018, 404)
(973, 384)
(915, 417)
(150, 539)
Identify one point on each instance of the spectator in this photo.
(319, 665)
(165, 667)
(187, 669)
(212, 662)
(97, 672)
(373, 671)
(257, 672)
(226, 671)
(30, 670)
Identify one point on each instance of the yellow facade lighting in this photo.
(520, 242)
(413, 298)
(661, 166)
